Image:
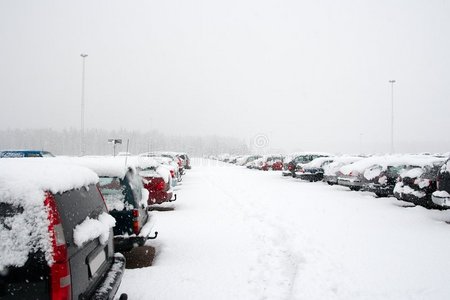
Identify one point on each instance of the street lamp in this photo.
(83, 56)
(392, 115)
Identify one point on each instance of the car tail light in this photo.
(172, 173)
(60, 281)
(136, 221)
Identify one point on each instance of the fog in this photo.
(304, 75)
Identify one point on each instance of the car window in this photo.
(8, 211)
(7, 154)
(75, 206)
(114, 192)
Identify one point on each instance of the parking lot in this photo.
(245, 234)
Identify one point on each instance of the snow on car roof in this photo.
(338, 162)
(109, 166)
(390, 160)
(23, 183)
(317, 162)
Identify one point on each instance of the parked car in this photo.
(441, 197)
(299, 159)
(272, 162)
(330, 171)
(352, 175)
(125, 197)
(169, 160)
(157, 180)
(57, 240)
(416, 185)
(24, 153)
(255, 164)
(186, 161)
(381, 180)
(313, 171)
(244, 160)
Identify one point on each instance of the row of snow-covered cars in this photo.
(420, 179)
(66, 221)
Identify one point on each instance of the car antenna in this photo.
(126, 154)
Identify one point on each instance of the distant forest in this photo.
(68, 142)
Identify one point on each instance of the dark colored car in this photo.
(313, 171)
(381, 180)
(186, 161)
(127, 204)
(24, 153)
(299, 160)
(441, 197)
(417, 185)
(45, 252)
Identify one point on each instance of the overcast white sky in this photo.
(307, 74)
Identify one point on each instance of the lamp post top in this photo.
(83, 55)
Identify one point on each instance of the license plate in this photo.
(96, 262)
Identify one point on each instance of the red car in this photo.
(273, 163)
(158, 183)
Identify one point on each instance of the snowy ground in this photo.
(246, 234)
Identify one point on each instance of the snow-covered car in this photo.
(299, 159)
(352, 175)
(330, 171)
(186, 160)
(255, 164)
(56, 234)
(125, 197)
(157, 181)
(169, 161)
(246, 159)
(271, 162)
(416, 185)
(441, 197)
(313, 171)
(24, 153)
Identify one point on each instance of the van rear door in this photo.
(90, 261)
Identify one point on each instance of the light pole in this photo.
(83, 56)
(392, 115)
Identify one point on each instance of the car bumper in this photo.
(330, 179)
(160, 197)
(349, 183)
(123, 244)
(379, 189)
(111, 282)
(423, 201)
(286, 173)
(309, 176)
(441, 201)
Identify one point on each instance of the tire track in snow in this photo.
(276, 269)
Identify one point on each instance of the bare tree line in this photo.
(68, 142)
